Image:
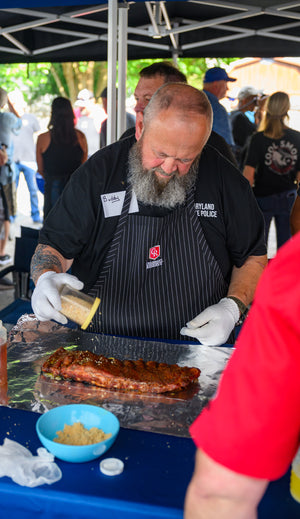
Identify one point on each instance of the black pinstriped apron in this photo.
(145, 297)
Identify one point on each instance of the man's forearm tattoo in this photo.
(43, 260)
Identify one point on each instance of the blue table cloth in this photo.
(157, 471)
(11, 313)
(156, 474)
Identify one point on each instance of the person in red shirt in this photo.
(249, 432)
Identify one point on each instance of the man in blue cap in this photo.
(215, 86)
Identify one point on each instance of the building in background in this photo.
(269, 76)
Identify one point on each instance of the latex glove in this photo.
(213, 326)
(23, 468)
(45, 300)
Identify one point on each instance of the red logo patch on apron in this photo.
(154, 252)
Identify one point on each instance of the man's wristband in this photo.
(241, 306)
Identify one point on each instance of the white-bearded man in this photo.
(159, 253)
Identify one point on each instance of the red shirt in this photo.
(252, 426)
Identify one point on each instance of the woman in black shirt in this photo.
(59, 151)
(272, 165)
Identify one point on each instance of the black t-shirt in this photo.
(276, 162)
(77, 227)
(241, 127)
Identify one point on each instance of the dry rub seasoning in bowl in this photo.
(77, 434)
(77, 306)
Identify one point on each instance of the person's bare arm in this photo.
(42, 143)
(3, 157)
(295, 216)
(249, 173)
(14, 109)
(83, 144)
(245, 278)
(215, 492)
(295, 212)
(47, 258)
(39, 158)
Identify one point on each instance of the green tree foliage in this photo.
(34, 80)
(48, 80)
(37, 80)
(193, 68)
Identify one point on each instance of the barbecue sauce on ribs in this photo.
(111, 373)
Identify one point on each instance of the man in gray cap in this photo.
(243, 120)
(215, 86)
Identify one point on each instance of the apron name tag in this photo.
(112, 204)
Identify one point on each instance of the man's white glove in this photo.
(213, 326)
(45, 300)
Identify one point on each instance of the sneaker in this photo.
(5, 259)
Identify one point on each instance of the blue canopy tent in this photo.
(73, 30)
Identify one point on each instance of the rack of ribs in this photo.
(112, 373)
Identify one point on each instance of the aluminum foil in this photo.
(31, 342)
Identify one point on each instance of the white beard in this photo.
(150, 190)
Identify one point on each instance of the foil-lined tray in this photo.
(31, 342)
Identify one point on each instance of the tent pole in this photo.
(111, 70)
(122, 69)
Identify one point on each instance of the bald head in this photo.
(181, 99)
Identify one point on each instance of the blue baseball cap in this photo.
(216, 74)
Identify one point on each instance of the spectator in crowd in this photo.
(25, 154)
(158, 218)
(215, 85)
(59, 151)
(272, 165)
(89, 118)
(260, 108)
(10, 123)
(130, 119)
(242, 127)
(4, 217)
(153, 77)
(249, 432)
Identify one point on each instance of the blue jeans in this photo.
(278, 206)
(29, 175)
(52, 191)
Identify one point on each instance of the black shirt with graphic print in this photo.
(276, 162)
(77, 227)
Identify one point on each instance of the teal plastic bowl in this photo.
(90, 416)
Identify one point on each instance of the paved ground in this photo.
(24, 218)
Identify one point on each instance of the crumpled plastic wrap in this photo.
(24, 468)
(31, 342)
